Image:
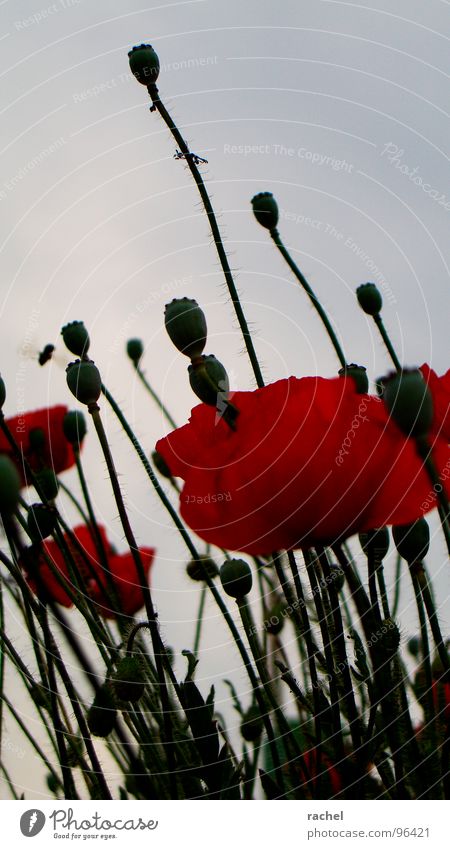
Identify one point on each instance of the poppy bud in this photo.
(160, 464)
(36, 438)
(409, 402)
(337, 578)
(252, 725)
(84, 381)
(39, 694)
(412, 541)
(209, 379)
(9, 485)
(195, 571)
(53, 783)
(47, 483)
(2, 392)
(74, 427)
(135, 349)
(359, 375)
(186, 325)
(236, 578)
(76, 338)
(265, 210)
(41, 521)
(275, 618)
(413, 646)
(369, 298)
(375, 543)
(128, 681)
(144, 63)
(101, 716)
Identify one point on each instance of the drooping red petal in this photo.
(57, 452)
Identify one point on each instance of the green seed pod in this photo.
(128, 681)
(74, 427)
(409, 402)
(102, 714)
(37, 440)
(9, 485)
(359, 375)
(84, 381)
(195, 571)
(135, 349)
(369, 298)
(252, 725)
(390, 636)
(209, 380)
(186, 325)
(144, 64)
(47, 483)
(265, 210)
(2, 392)
(412, 541)
(41, 521)
(413, 645)
(76, 338)
(236, 578)
(160, 464)
(375, 544)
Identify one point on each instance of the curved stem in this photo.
(190, 159)
(313, 298)
(383, 333)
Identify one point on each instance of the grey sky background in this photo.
(338, 108)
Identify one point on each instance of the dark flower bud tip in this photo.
(76, 338)
(369, 298)
(135, 349)
(413, 645)
(252, 725)
(375, 544)
(84, 381)
(9, 485)
(196, 570)
(74, 427)
(101, 716)
(409, 402)
(144, 64)
(209, 380)
(41, 521)
(47, 483)
(37, 440)
(128, 681)
(412, 541)
(265, 210)
(186, 325)
(236, 578)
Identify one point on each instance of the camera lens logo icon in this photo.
(32, 822)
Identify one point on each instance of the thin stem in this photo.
(198, 626)
(190, 159)
(417, 570)
(383, 332)
(154, 396)
(313, 298)
(424, 451)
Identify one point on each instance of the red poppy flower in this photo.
(55, 452)
(310, 461)
(121, 566)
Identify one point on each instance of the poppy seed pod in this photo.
(369, 298)
(74, 427)
(76, 338)
(128, 681)
(41, 521)
(359, 375)
(209, 380)
(47, 483)
(375, 543)
(265, 210)
(2, 392)
(9, 485)
(197, 573)
(412, 541)
(414, 646)
(186, 325)
(409, 402)
(135, 349)
(252, 725)
(236, 578)
(84, 381)
(37, 440)
(101, 716)
(144, 63)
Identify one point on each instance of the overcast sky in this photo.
(338, 108)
